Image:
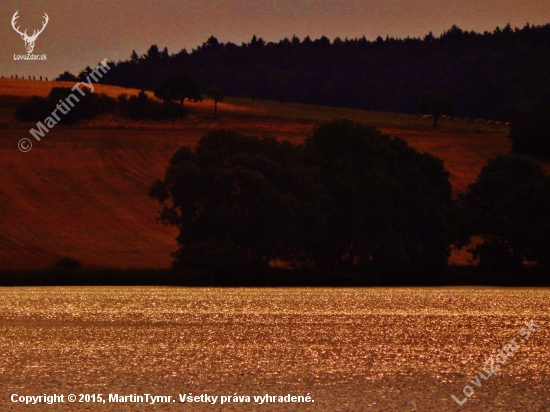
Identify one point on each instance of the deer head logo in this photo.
(29, 40)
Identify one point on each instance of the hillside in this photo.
(82, 191)
(488, 75)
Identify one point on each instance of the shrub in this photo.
(35, 109)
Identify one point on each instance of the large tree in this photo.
(234, 200)
(389, 207)
(508, 211)
(178, 87)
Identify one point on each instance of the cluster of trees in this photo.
(178, 87)
(66, 76)
(349, 199)
(141, 107)
(488, 75)
(89, 105)
(85, 106)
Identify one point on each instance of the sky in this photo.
(81, 33)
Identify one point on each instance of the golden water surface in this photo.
(350, 349)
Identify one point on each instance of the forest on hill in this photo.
(491, 75)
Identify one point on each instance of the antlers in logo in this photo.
(29, 40)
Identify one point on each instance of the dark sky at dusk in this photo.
(85, 32)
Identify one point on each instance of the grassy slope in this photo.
(82, 191)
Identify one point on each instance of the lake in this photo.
(346, 349)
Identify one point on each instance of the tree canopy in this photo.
(508, 209)
(232, 199)
(351, 199)
(388, 207)
(141, 107)
(178, 87)
(435, 103)
(66, 77)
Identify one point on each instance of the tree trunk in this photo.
(215, 107)
(517, 253)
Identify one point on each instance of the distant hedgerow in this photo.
(68, 263)
(88, 106)
(141, 107)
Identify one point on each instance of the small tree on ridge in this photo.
(435, 103)
(218, 95)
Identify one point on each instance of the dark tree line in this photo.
(68, 110)
(72, 106)
(488, 75)
(349, 200)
